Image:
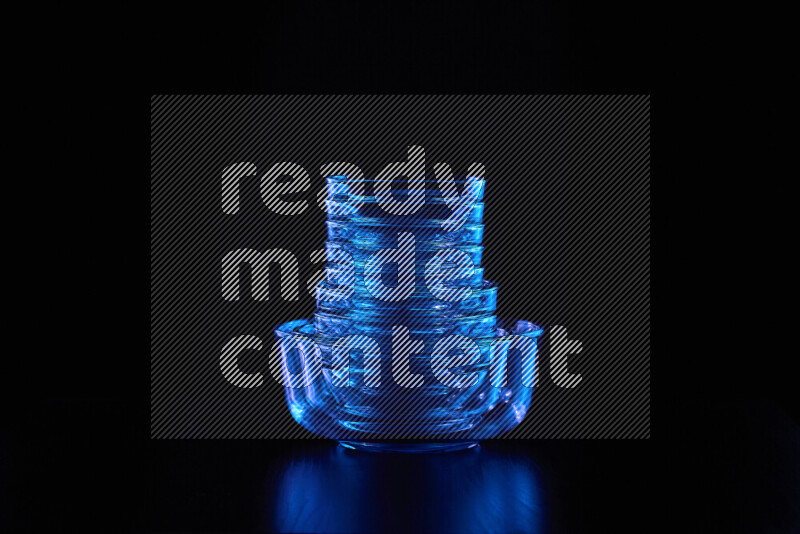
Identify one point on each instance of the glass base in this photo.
(376, 446)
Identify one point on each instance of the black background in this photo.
(723, 456)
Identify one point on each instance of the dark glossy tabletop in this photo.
(321, 487)
(733, 468)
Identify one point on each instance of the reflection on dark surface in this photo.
(555, 486)
(735, 467)
(316, 486)
(332, 489)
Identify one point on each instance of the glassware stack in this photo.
(407, 408)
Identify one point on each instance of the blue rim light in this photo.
(359, 411)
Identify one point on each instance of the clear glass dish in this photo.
(437, 417)
(480, 300)
(372, 385)
(383, 235)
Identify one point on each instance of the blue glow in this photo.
(331, 489)
(364, 415)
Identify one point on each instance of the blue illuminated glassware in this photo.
(347, 403)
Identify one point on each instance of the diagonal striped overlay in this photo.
(567, 240)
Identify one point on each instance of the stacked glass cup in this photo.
(405, 351)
